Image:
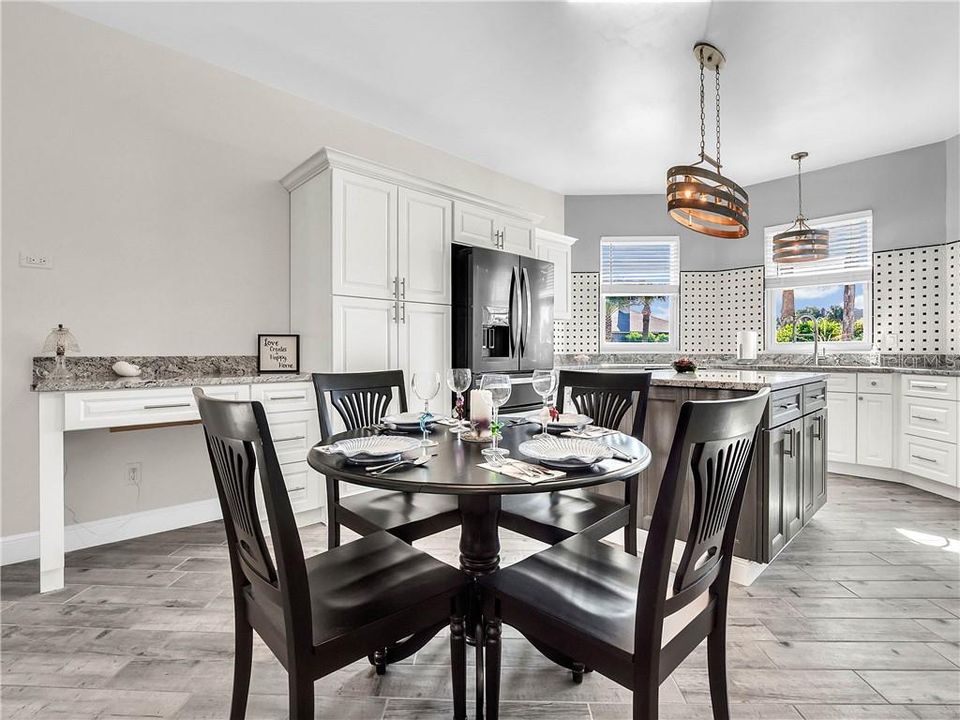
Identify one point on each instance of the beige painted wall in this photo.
(151, 178)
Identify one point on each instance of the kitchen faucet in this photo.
(797, 319)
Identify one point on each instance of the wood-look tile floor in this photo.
(859, 618)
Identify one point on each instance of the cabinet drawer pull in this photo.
(296, 489)
(927, 385)
(287, 397)
(291, 462)
(819, 397)
(287, 439)
(924, 417)
(925, 459)
(788, 406)
(166, 405)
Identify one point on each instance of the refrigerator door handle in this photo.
(511, 311)
(526, 309)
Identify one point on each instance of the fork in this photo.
(389, 467)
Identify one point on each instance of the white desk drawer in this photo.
(930, 386)
(932, 459)
(842, 382)
(875, 383)
(929, 417)
(147, 406)
(284, 397)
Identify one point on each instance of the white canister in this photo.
(748, 343)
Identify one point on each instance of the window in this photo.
(639, 282)
(835, 290)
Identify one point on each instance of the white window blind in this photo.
(850, 258)
(626, 262)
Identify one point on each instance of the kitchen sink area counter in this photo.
(716, 378)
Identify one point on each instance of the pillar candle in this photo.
(481, 411)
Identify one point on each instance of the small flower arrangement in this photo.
(496, 429)
(684, 365)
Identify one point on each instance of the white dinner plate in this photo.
(565, 452)
(379, 447)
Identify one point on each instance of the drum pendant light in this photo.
(800, 243)
(699, 197)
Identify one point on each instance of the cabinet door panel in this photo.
(474, 225)
(364, 252)
(814, 464)
(425, 346)
(364, 334)
(426, 227)
(793, 479)
(875, 430)
(842, 428)
(784, 515)
(558, 254)
(517, 236)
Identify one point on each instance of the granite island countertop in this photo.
(716, 379)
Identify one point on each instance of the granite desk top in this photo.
(95, 373)
(718, 379)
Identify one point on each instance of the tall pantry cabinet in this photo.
(370, 253)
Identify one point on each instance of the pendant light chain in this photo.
(703, 117)
(799, 189)
(718, 116)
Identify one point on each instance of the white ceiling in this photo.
(594, 98)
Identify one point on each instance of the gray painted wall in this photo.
(953, 188)
(907, 191)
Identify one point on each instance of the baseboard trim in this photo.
(26, 546)
(896, 476)
(742, 572)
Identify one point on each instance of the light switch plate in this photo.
(34, 260)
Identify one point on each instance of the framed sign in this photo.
(278, 354)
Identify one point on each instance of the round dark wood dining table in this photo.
(455, 471)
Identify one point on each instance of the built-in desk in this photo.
(65, 406)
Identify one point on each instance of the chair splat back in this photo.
(234, 462)
(713, 446)
(607, 397)
(360, 399)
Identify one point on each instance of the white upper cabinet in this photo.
(476, 226)
(482, 227)
(425, 236)
(364, 235)
(557, 249)
(516, 236)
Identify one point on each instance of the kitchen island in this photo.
(788, 478)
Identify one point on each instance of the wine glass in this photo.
(544, 385)
(426, 385)
(499, 388)
(458, 380)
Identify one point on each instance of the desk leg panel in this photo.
(50, 488)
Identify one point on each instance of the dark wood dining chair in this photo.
(321, 613)
(553, 517)
(630, 618)
(361, 400)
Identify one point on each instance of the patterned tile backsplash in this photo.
(916, 308)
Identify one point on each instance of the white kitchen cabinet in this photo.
(842, 427)
(364, 254)
(424, 239)
(929, 417)
(874, 429)
(483, 227)
(557, 249)
(932, 459)
(364, 336)
(425, 345)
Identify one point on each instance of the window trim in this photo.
(834, 277)
(671, 291)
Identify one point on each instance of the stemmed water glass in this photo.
(499, 388)
(458, 380)
(426, 385)
(544, 385)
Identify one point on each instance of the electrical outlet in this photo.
(134, 472)
(40, 261)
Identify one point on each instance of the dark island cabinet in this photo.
(787, 482)
(795, 469)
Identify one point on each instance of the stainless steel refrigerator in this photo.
(503, 317)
